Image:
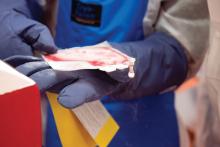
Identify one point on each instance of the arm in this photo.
(175, 53)
(161, 64)
(188, 22)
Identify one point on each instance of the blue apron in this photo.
(120, 20)
(149, 121)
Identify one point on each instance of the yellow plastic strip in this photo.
(71, 132)
(106, 134)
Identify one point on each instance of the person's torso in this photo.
(87, 22)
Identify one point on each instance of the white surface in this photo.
(11, 80)
(81, 58)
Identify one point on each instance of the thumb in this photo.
(40, 38)
(77, 94)
(33, 33)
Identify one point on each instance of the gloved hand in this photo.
(74, 88)
(19, 33)
(160, 64)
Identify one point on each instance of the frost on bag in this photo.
(91, 57)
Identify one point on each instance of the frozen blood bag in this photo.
(91, 57)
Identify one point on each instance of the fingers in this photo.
(20, 59)
(33, 33)
(78, 93)
(40, 38)
(13, 45)
(48, 78)
(30, 68)
(91, 86)
(21, 35)
(41, 72)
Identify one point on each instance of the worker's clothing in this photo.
(172, 17)
(92, 22)
(125, 20)
(88, 22)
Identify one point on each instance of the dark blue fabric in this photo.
(147, 122)
(52, 136)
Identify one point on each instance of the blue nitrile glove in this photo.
(160, 64)
(19, 33)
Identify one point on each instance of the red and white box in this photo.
(20, 123)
